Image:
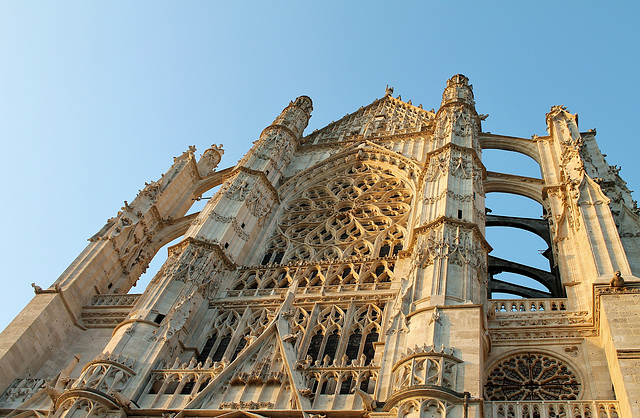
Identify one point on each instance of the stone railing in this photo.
(106, 373)
(107, 311)
(313, 278)
(19, 391)
(527, 305)
(114, 300)
(255, 292)
(552, 409)
(426, 366)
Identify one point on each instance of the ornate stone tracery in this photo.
(359, 210)
(532, 376)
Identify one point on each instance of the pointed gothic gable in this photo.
(383, 117)
(590, 193)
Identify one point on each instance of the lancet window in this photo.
(254, 326)
(225, 331)
(359, 211)
(219, 337)
(342, 338)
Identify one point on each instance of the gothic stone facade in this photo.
(346, 273)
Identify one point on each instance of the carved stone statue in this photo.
(617, 280)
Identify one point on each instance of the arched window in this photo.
(222, 347)
(343, 217)
(315, 345)
(353, 346)
(208, 346)
(220, 336)
(532, 377)
(331, 346)
(347, 385)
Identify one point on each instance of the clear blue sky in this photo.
(97, 97)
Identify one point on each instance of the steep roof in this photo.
(385, 116)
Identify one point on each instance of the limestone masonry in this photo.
(346, 273)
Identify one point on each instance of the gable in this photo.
(383, 117)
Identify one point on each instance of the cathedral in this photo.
(346, 273)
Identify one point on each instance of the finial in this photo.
(388, 91)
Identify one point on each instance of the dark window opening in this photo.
(459, 213)
(397, 248)
(368, 350)
(155, 387)
(353, 346)
(222, 347)
(159, 318)
(279, 257)
(239, 347)
(206, 350)
(266, 259)
(187, 388)
(384, 250)
(364, 384)
(345, 387)
(332, 346)
(325, 388)
(314, 345)
(203, 385)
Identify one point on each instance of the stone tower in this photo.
(346, 273)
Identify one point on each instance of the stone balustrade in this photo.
(426, 366)
(526, 305)
(552, 409)
(114, 300)
(19, 391)
(107, 311)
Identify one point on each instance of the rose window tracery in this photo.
(358, 211)
(531, 376)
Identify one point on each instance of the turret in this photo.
(458, 91)
(457, 121)
(278, 141)
(295, 117)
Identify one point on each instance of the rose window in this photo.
(532, 377)
(358, 211)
